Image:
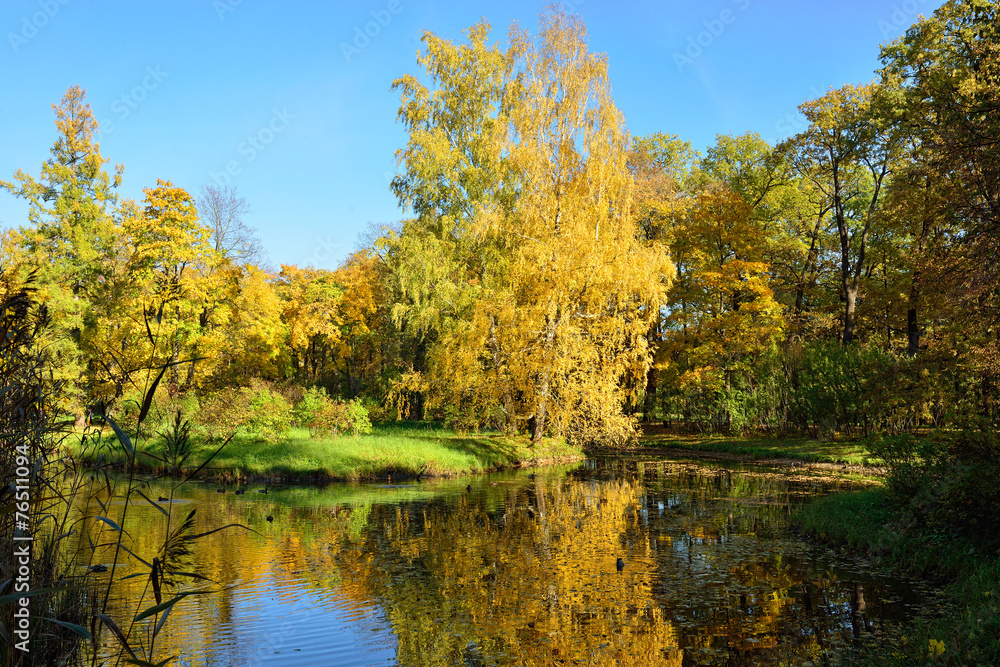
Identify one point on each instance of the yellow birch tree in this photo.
(551, 289)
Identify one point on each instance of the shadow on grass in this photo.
(803, 449)
(488, 450)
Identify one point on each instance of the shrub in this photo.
(255, 411)
(161, 410)
(313, 400)
(223, 413)
(270, 412)
(336, 417)
(947, 484)
(377, 411)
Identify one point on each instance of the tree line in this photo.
(557, 276)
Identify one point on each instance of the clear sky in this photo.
(291, 102)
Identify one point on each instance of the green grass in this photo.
(800, 449)
(866, 522)
(403, 450)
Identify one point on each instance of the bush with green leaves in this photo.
(947, 483)
(377, 412)
(337, 417)
(255, 411)
(162, 408)
(313, 399)
(843, 389)
(270, 413)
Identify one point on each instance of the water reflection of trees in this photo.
(524, 572)
(534, 580)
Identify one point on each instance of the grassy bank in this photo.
(968, 632)
(397, 450)
(842, 451)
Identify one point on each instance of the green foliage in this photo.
(336, 417)
(312, 401)
(177, 443)
(257, 411)
(223, 413)
(841, 388)
(270, 413)
(162, 409)
(871, 522)
(947, 484)
(377, 411)
(909, 460)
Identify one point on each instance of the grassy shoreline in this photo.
(398, 451)
(408, 450)
(868, 522)
(757, 448)
(967, 632)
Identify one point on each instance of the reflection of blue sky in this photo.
(280, 623)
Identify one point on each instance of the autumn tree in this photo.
(849, 152)
(246, 335)
(310, 301)
(68, 237)
(163, 295)
(946, 70)
(548, 291)
(722, 312)
(665, 172)
(363, 355)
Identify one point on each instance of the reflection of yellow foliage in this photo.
(538, 582)
(523, 572)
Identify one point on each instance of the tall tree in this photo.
(558, 290)
(163, 287)
(223, 210)
(311, 303)
(666, 175)
(848, 152)
(69, 235)
(947, 70)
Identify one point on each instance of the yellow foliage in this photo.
(540, 302)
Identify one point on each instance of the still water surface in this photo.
(512, 569)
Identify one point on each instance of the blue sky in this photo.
(291, 102)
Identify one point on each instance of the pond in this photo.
(610, 562)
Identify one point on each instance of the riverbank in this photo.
(828, 454)
(396, 451)
(967, 631)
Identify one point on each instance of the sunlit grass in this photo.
(800, 449)
(406, 450)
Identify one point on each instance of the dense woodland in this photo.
(558, 276)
